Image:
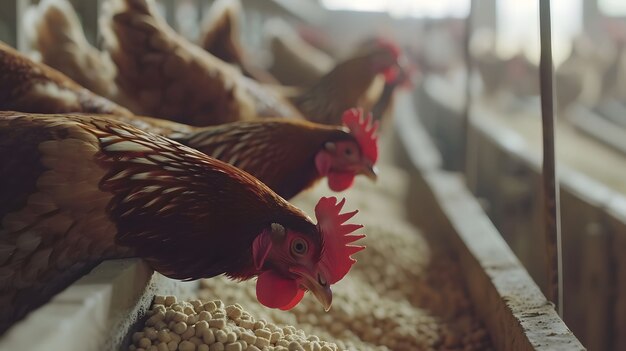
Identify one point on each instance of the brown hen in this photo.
(280, 152)
(295, 62)
(289, 156)
(78, 189)
(54, 31)
(166, 76)
(33, 87)
(346, 85)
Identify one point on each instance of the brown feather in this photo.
(169, 77)
(34, 87)
(85, 188)
(221, 31)
(51, 203)
(278, 152)
(55, 32)
(339, 90)
(221, 38)
(158, 126)
(295, 62)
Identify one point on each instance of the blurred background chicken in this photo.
(81, 189)
(347, 83)
(55, 34)
(289, 156)
(169, 77)
(294, 61)
(33, 87)
(221, 31)
(221, 37)
(300, 64)
(188, 86)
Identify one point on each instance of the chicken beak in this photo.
(370, 171)
(317, 285)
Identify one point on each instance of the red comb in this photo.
(364, 131)
(336, 260)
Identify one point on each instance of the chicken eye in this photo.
(351, 153)
(299, 247)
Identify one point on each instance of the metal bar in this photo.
(550, 179)
(468, 166)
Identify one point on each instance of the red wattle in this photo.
(296, 300)
(340, 181)
(274, 291)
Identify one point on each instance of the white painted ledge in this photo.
(94, 313)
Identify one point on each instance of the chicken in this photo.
(344, 86)
(295, 62)
(290, 156)
(54, 31)
(379, 97)
(33, 87)
(384, 103)
(221, 38)
(286, 155)
(78, 189)
(169, 77)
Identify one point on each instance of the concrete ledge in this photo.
(600, 128)
(413, 136)
(94, 313)
(594, 237)
(515, 311)
(509, 302)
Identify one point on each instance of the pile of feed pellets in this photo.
(401, 295)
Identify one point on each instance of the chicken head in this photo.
(342, 160)
(292, 263)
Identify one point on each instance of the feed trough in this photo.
(437, 276)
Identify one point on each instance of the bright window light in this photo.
(404, 8)
(518, 27)
(615, 8)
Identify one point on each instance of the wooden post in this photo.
(550, 179)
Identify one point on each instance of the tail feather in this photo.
(221, 38)
(221, 31)
(295, 62)
(54, 32)
(169, 77)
